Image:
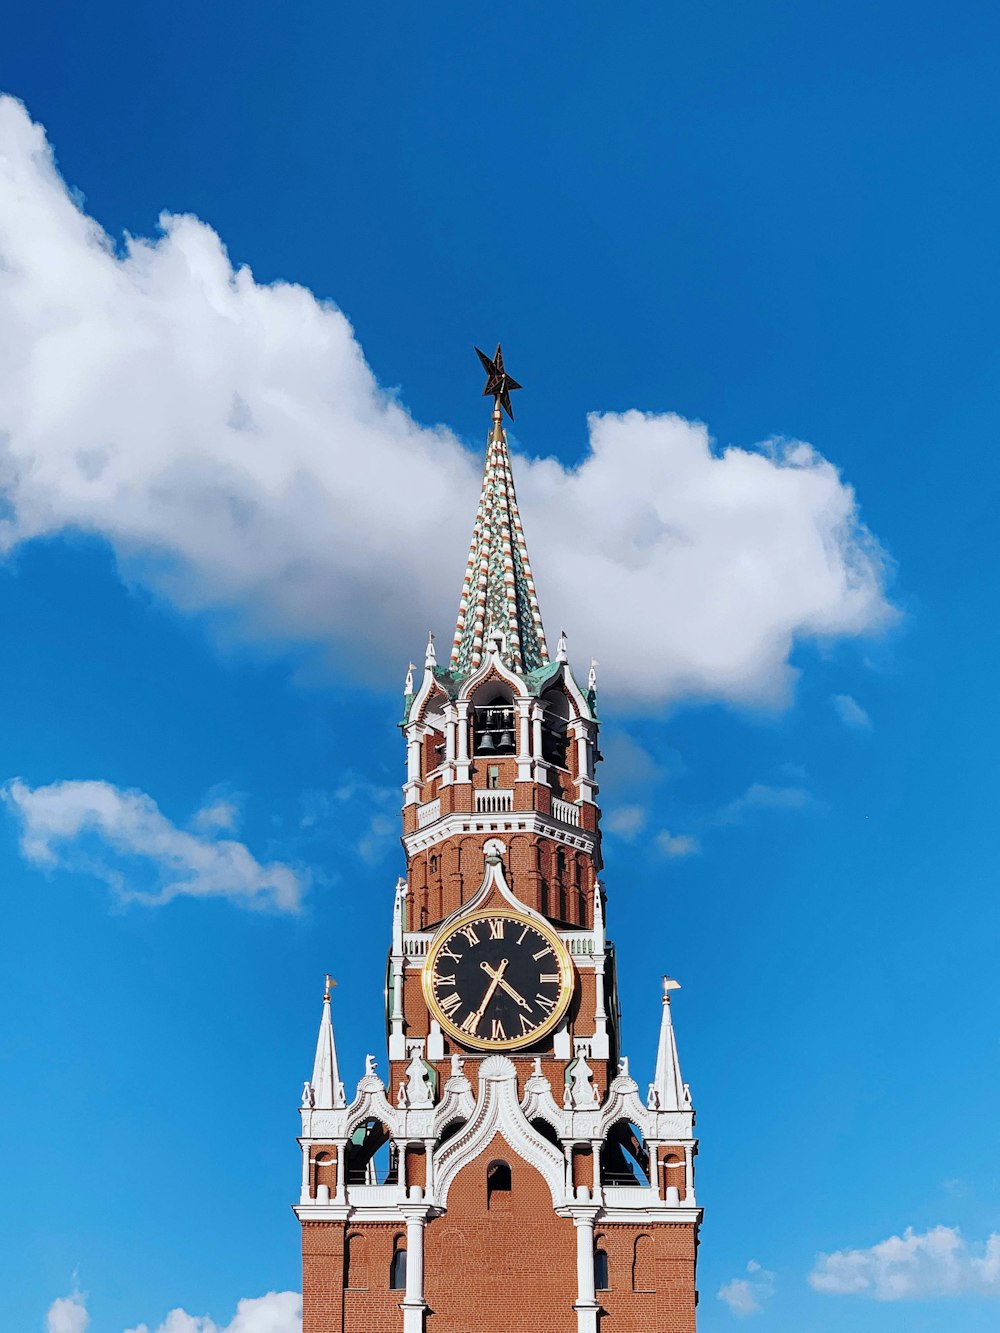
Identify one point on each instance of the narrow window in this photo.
(356, 1262)
(601, 1280)
(642, 1264)
(497, 1182)
(493, 776)
(397, 1269)
(434, 865)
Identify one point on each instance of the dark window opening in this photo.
(624, 1159)
(434, 865)
(498, 1181)
(602, 1281)
(545, 1129)
(493, 776)
(397, 1269)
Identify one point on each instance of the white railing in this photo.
(566, 811)
(579, 942)
(631, 1196)
(416, 946)
(370, 1196)
(496, 801)
(428, 813)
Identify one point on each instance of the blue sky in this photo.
(230, 514)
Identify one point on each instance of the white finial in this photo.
(430, 657)
(408, 682)
(562, 648)
(668, 1092)
(669, 984)
(592, 674)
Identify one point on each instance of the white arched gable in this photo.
(495, 666)
(498, 1112)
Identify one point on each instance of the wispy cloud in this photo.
(850, 712)
(231, 443)
(625, 822)
(915, 1265)
(759, 796)
(747, 1295)
(677, 844)
(124, 839)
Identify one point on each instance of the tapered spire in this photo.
(498, 594)
(327, 1091)
(668, 1091)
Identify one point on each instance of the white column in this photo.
(450, 747)
(462, 773)
(600, 1046)
(306, 1152)
(586, 1306)
(429, 1166)
(689, 1175)
(595, 1148)
(412, 787)
(539, 766)
(523, 740)
(341, 1170)
(413, 1305)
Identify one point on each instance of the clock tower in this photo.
(507, 1173)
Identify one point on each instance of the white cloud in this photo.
(677, 844)
(761, 796)
(747, 1295)
(221, 815)
(916, 1265)
(277, 1312)
(851, 713)
(626, 822)
(68, 1314)
(231, 443)
(123, 838)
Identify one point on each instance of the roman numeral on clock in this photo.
(552, 977)
(449, 953)
(545, 1003)
(470, 934)
(496, 928)
(497, 1032)
(542, 952)
(526, 1025)
(449, 1005)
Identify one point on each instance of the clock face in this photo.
(498, 980)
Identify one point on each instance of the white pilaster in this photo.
(414, 1305)
(586, 1305)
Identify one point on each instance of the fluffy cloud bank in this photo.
(123, 838)
(938, 1262)
(277, 1312)
(231, 443)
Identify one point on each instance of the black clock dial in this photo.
(498, 980)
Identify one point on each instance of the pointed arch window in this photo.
(642, 1264)
(498, 1184)
(356, 1261)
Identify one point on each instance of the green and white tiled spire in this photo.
(498, 593)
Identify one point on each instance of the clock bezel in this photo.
(567, 981)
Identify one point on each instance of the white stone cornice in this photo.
(507, 824)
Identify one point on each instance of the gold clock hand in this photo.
(504, 985)
(472, 1022)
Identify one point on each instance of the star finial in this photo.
(499, 384)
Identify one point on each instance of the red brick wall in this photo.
(508, 1268)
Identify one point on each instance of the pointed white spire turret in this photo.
(592, 674)
(326, 1089)
(408, 682)
(668, 1091)
(562, 647)
(430, 656)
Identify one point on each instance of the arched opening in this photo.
(543, 1127)
(397, 1265)
(449, 1132)
(602, 1272)
(624, 1158)
(369, 1159)
(642, 1264)
(554, 722)
(356, 1261)
(498, 1185)
(494, 723)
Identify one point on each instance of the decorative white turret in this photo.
(325, 1091)
(668, 1091)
